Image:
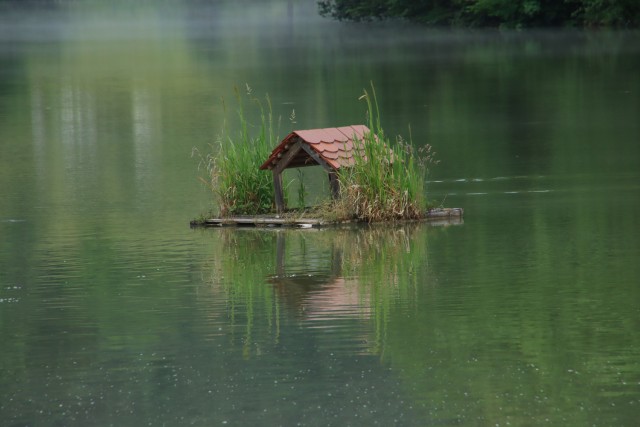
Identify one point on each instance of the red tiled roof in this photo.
(334, 145)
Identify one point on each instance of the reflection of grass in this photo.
(240, 266)
(379, 264)
(385, 263)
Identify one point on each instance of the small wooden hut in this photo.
(331, 148)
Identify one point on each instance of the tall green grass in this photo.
(234, 175)
(388, 181)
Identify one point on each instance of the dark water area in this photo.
(114, 312)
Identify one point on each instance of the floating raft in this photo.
(439, 216)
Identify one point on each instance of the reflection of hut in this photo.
(317, 296)
(331, 148)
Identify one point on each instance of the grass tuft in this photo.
(234, 176)
(387, 182)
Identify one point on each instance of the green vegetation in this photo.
(388, 181)
(234, 175)
(491, 13)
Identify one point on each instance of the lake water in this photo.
(113, 312)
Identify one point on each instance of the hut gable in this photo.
(331, 148)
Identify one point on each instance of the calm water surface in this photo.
(114, 312)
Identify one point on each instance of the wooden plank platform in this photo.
(438, 216)
(440, 213)
(445, 216)
(264, 221)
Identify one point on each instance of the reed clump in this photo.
(387, 181)
(234, 176)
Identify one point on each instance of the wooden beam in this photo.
(315, 156)
(277, 189)
(283, 162)
(334, 184)
(287, 156)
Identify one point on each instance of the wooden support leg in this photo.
(279, 194)
(334, 184)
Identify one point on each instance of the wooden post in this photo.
(282, 164)
(277, 188)
(334, 185)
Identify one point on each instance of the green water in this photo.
(114, 312)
